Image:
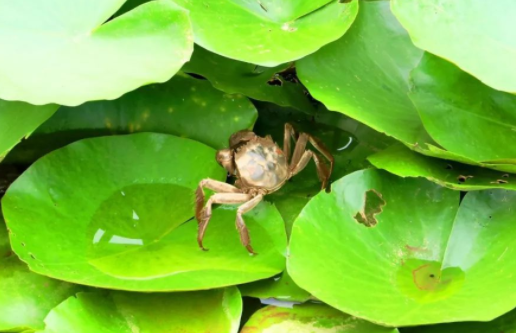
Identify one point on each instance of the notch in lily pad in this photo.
(373, 205)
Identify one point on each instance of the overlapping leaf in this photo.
(260, 83)
(268, 32)
(119, 210)
(477, 36)
(462, 114)
(61, 52)
(18, 120)
(433, 261)
(403, 162)
(119, 312)
(182, 106)
(308, 318)
(25, 297)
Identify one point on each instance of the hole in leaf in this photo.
(462, 178)
(449, 167)
(506, 175)
(373, 205)
(500, 181)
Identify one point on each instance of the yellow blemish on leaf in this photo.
(108, 123)
(236, 119)
(146, 114)
(170, 109)
(131, 127)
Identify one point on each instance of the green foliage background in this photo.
(111, 112)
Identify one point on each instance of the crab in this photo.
(260, 168)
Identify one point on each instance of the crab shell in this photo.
(258, 163)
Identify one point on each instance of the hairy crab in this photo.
(260, 168)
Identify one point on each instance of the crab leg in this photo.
(218, 198)
(213, 185)
(240, 224)
(288, 135)
(301, 157)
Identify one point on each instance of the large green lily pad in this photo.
(404, 162)
(18, 120)
(61, 52)
(503, 324)
(476, 35)
(365, 74)
(268, 32)
(257, 82)
(183, 106)
(462, 114)
(122, 312)
(119, 212)
(401, 252)
(308, 318)
(25, 297)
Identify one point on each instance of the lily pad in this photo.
(18, 120)
(123, 312)
(503, 324)
(426, 260)
(183, 106)
(475, 35)
(257, 82)
(131, 226)
(365, 74)
(404, 162)
(61, 52)
(308, 318)
(26, 297)
(462, 114)
(268, 32)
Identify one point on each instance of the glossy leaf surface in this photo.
(25, 297)
(261, 83)
(477, 36)
(366, 72)
(122, 312)
(18, 120)
(61, 52)
(131, 224)
(268, 32)
(462, 114)
(404, 162)
(433, 261)
(308, 318)
(183, 106)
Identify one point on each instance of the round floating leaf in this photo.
(429, 259)
(462, 114)
(123, 312)
(260, 83)
(119, 209)
(308, 318)
(18, 120)
(477, 36)
(365, 74)
(268, 32)
(25, 297)
(60, 52)
(403, 162)
(183, 106)
(503, 324)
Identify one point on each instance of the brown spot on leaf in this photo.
(373, 205)
(500, 181)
